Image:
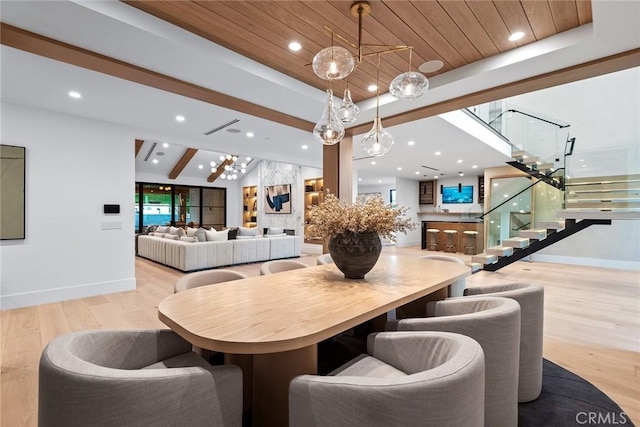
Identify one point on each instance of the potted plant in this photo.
(354, 231)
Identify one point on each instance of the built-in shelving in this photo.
(313, 196)
(250, 206)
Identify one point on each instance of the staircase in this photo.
(589, 201)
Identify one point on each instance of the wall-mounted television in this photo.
(457, 194)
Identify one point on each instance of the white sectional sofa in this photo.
(188, 256)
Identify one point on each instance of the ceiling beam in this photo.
(598, 67)
(219, 171)
(70, 54)
(182, 163)
(139, 143)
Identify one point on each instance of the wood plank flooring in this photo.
(592, 326)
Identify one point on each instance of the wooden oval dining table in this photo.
(270, 325)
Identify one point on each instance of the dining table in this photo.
(270, 325)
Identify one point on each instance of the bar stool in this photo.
(450, 246)
(432, 238)
(470, 248)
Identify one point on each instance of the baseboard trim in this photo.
(61, 294)
(587, 262)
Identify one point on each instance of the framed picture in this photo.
(277, 199)
(12, 192)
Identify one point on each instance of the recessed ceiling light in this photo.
(438, 153)
(165, 145)
(514, 204)
(75, 95)
(249, 134)
(379, 181)
(495, 184)
(359, 179)
(372, 88)
(248, 159)
(373, 162)
(460, 161)
(506, 195)
(431, 66)
(411, 143)
(516, 36)
(155, 160)
(475, 166)
(295, 46)
(435, 176)
(460, 174)
(200, 166)
(399, 168)
(417, 172)
(304, 147)
(180, 118)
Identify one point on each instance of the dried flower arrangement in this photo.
(334, 216)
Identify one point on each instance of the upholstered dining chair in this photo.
(405, 379)
(207, 277)
(280, 265)
(455, 289)
(324, 259)
(495, 324)
(103, 378)
(530, 296)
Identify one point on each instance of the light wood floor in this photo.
(592, 326)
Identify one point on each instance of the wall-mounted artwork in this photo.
(12, 197)
(278, 199)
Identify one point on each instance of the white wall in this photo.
(457, 207)
(383, 189)
(73, 167)
(407, 195)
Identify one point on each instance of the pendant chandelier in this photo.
(230, 166)
(337, 63)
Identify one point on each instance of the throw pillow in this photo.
(247, 231)
(189, 239)
(233, 232)
(248, 237)
(162, 229)
(177, 231)
(197, 233)
(216, 236)
(171, 236)
(276, 235)
(275, 230)
(155, 233)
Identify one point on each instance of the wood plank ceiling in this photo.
(456, 32)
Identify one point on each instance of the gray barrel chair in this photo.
(530, 296)
(495, 324)
(324, 259)
(455, 289)
(407, 379)
(106, 378)
(277, 266)
(208, 277)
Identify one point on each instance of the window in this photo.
(161, 204)
(392, 198)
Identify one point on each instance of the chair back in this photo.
(530, 296)
(456, 289)
(277, 266)
(324, 259)
(208, 277)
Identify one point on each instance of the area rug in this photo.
(569, 400)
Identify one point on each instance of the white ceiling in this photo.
(117, 30)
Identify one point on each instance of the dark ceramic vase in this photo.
(355, 254)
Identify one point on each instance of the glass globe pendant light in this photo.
(329, 130)
(377, 142)
(333, 63)
(409, 85)
(347, 111)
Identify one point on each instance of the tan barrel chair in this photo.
(455, 289)
(324, 259)
(407, 379)
(105, 378)
(530, 296)
(495, 324)
(280, 265)
(208, 277)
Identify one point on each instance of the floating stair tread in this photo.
(552, 225)
(500, 250)
(474, 266)
(484, 258)
(537, 234)
(516, 242)
(623, 213)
